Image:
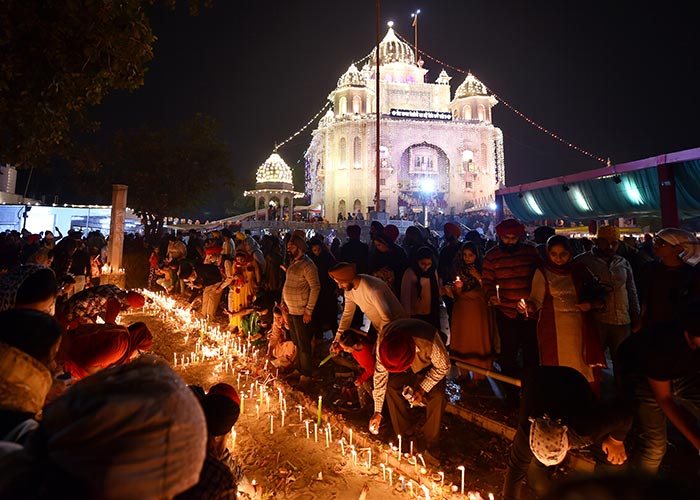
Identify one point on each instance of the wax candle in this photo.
(369, 458)
(242, 404)
(174, 359)
(411, 447)
(342, 447)
(421, 459)
(315, 432)
(398, 456)
(524, 304)
(307, 422)
(350, 436)
(498, 292)
(328, 439)
(461, 490)
(410, 487)
(403, 483)
(233, 440)
(354, 455)
(300, 417)
(330, 432)
(391, 476)
(282, 424)
(257, 411)
(320, 401)
(272, 430)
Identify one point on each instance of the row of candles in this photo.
(229, 348)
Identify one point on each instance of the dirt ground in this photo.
(286, 464)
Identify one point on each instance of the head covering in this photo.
(608, 233)
(132, 431)
(240, 236)
(300, 233)
(299, 242)
(94, 346)
(397, 350)
(686, 240)
(452, 229)
(343, 271)
(25, 381)
(221, 413)
(353, 231)
(33, 239)
(225, 390)
(510, 226)
(548, 440)
(11, 282)
(391, 231)
(134, 299)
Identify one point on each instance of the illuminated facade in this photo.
(434, 149)
(274, 188)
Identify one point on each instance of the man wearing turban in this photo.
(411, 353)
(507, 278)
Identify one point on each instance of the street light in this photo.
(427, 187)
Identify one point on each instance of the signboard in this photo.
(421, 115)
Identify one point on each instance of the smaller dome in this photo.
(443, 78)
(470, 87)
(351, 78)
(391, 50)
(274, 170)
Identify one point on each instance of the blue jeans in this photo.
(652, 421)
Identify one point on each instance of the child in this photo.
(281, 351)
(362, 350)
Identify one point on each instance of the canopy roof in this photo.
(624, 190)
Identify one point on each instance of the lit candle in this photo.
(282, 424)
(498, 292)
(233, 440)
(242, 404)
(421, 459)
(411, 447)
(328, 439)
(174, 359)
(272, 430)
(300, 417)
(350, 436)
(398, 456)
(426, 491)
(410, 487)
(238, 381)
(267, 401)
(342, 446)
(403, 483)
(315, 432)
(320, 401)
(354, 455)
(490, 496)
(307, 422)
(461, 489)
(330, 432)
(524, 304)
(257, 411)
(383, 467)
(391, 476)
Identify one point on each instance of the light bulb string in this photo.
(513, 109)
(325, 106)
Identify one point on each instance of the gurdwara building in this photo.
(437, 149)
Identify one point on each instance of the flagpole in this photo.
(377, 165)
(415, 32)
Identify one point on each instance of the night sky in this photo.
(614, 78)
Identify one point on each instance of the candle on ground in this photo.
(398, 456)
(342, 446)
(391, 476)
(315, 432)
(300, 417)
(403, 483)
(461, 490)
(320, 401)
(383, 467)
(307, 422)
(350, 437)
(411, 448)
(498, 292)
(233, 440)
(442, 479)
(272, 430)
(257, 411)
(328, 439)
(282, 424)
(369, 458)
(330, 432)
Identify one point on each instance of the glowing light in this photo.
(390, 24)
(631, 191)
(427, 186)
(532, 203)
(274, 170)
(493, 205)
(579, 199)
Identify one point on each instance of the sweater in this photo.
(301, 286)
(512, 272)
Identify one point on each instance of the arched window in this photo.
(357, 152)
(467, 112)
(343, 153)
(356, 104)
(342, 105)
(341, 207)
(482, 112)
(484, 160)
(357, 206)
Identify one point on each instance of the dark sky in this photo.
(612, 77)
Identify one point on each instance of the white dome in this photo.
(391, 50)
(470, 87)
(274, 170)
(351, 78)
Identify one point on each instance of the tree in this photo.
(59, 58)
(169, 171)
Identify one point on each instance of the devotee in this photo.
(671, 283)
(541, 235)
(204, 280)
(371, 294)
(151, 447)
(410, 353)
(362, 350)
(661, 369)
(566, 331)
(221, 406)
(29, 286)
(29, 341)
(507, 278)
(300, 294)
(280, 351)
(420, 292)
(621, 309)
(102, 301)
(87, 349)
(388, 262)
(558, 412)
(49, 241)
(470, 328)
(326, 310)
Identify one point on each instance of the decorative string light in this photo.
(513, 109)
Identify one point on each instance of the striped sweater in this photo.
(512, 272)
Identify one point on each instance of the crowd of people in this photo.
(400, 310)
